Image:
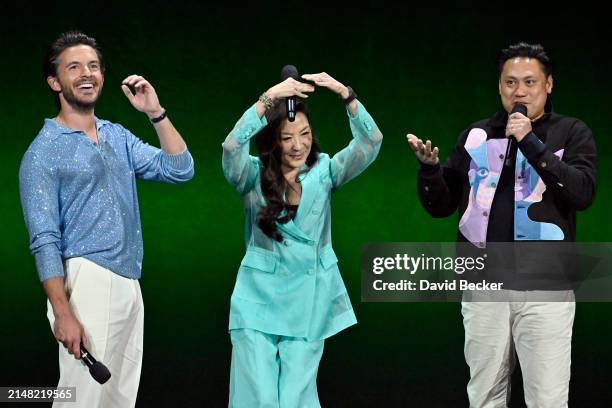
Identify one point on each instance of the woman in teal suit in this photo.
(289, 295)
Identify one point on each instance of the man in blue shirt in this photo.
(78, 192)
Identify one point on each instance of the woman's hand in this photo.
(289, 87)
(325, 80)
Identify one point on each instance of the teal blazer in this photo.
(294, 287)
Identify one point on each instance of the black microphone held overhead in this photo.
(522, 109)
(98, 371)
(290, 71)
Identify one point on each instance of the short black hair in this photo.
(526, 50)
(64, 41)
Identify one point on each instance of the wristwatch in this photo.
(161, 117)
(352, 95)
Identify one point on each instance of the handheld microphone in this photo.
(290, 71)
(98, 371)
(522, 109)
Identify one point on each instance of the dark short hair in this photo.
(526, 50)
(64, 41)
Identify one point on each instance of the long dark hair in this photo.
(273, 182)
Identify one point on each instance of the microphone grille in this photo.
(99, 372)
(520, 108)
(289, 71)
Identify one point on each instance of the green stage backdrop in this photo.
(429, 71)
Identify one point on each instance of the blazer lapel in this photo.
(310, 189)
(292, 230)
(310, 186)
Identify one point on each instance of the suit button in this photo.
(543, 164)
(494, 185)
(310, 271)
(426, 188)
(485, 214)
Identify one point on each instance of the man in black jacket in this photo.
(533, 196)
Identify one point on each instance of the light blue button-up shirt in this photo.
(79, 198)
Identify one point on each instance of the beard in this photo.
(75, 102)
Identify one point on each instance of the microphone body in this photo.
(520, 108)
(290, 71)
(98, 371)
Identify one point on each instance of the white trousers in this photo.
(111, 311)
(537, 326)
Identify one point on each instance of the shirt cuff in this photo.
(428, 170)
(362, 120)
(532, 147)
(249, 124)
(181, 161)
(49, 262)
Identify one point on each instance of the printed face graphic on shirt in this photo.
(485, 170)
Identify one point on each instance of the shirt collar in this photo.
(55, 128)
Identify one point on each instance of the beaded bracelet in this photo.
(265, 99)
